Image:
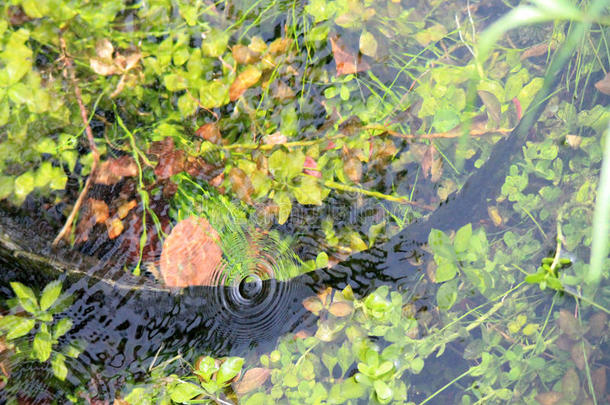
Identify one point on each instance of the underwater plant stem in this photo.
(94, 152)
(401, 200)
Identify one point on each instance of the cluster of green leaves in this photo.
(38, 321)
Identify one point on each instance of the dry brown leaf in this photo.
(603, 85)
(246, 79)
(210, 132)
(549, 398)
(104, 49)
(113, 170)
(346, 60)
(252, 379)
(101, 67)
(280, 45)
(191, 254)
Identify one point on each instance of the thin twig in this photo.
(69, 71)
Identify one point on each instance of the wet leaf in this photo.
(570, 385)
(494, 108)
(598, 378)
(549, 398)
(50, 294)
(191, 254)
(113, 170)
(569, 324)
(104, 49)
(246, 79)
(597, 324)
(603, 85)
(229, 369)
(169, 164)
(244, 55)
(58, 365)
(102, 68)
(42, 345)
(536, 50)
(432, 164)
(115, 227)
(313, 305)
(310, 166)
(341, 309)
(368, 44)
(241, 184)
(252, 379)
(309, 191)
(581, 353)
(346, 61)
(353, 169)
(431, 34)
(210, 132)
(124, 209)
(99, 210)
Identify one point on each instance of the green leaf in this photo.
(229, 369)
(446, 269)
(58, 364)
(26, 297)
(368, 44)
(174, 82)
(321, 260)
(282, 199)
(286, 166)
(206, 367)
(184, 391)
(62, 327)
(384, 393)
(215, 43)
(309, 192)
(23, 186)
(42, 346)
(462, 238)
(289, 121)
(16, 326)
(445, 120)
(50, 294)
(440, 244)
(447, 295)
(6, 186)
(187, 105)
(214, 94)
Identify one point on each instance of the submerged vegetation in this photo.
(214, 142)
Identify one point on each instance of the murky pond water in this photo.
(333, 201)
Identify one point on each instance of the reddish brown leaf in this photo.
(604, 84)
(191, 254)
(210, 132)
(432, 164)
(536, 50)
(113, 170)
(313, 305)
(341, 308)
(246, 79)
(169, 164)
(124, 209)
(244, 55)
(311, 167)
(252, 379)
(162, 147)
(346, 60)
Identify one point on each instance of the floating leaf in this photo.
(341, 308)
(210, 132)
(345, 60)
(569, 324)
(191, 254)
(246, 79)
(493, 105)
(229, 369)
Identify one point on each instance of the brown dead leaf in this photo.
(191, 254)
(313, 305)
(346, 60)
(569, 324)
(241, 184)
(113, 170)
(99, 210)
(159, 148)
(352, 168)
(280, 45)
(210, 132)
(598, 378)
(104, 49)
(341, 308)
(281, 90)
(244, 55)
(302, 334)
(101, 67)
(124, 209)
(169, 164)
(549, 398)
(537, 50)
(603, 85)
(597, 324)
(252, 379)
(115, 227)
(246, 79)
(581, 353)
